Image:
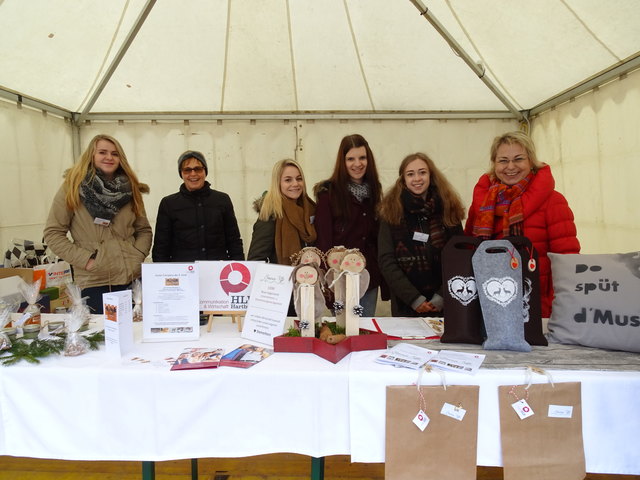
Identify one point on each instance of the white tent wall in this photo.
(593, 145)
(34, 150)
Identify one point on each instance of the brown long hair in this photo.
(337, 183)
(76, 174)
(391, 209)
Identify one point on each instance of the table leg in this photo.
(148, 470)
(194, 469)
(317, 468)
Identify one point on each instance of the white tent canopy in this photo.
(251, 81)
(297, 56)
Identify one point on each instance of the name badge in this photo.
(102, 221)
(420, 237)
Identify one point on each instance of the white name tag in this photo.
(560, 411)
(421, 420)
(102, 221)
(420, 237)
(452, 411)
(522, 408)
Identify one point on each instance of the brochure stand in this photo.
(236, 317)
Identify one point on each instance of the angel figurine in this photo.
(335, 281)
(356, 282)
(308, 299)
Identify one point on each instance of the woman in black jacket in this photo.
(197, 222)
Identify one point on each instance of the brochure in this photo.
(245, 356)
(404, 328)
(406, 355)
(461, 362)
(203, 357)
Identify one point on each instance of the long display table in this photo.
(100, 407)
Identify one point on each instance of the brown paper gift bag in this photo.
(541, 447)
(446, 449)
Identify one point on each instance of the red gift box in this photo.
(333, 353)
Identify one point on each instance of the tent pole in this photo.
(618, 71)
(424, 11)
(75, 141)
(117, 59)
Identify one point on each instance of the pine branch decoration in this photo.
(33, 351)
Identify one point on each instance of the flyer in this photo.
(225, 286)
(170, 302)
(268, 303)
(118, 321)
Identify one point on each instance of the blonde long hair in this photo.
(76, 174)
(272, 200)
(391, 209)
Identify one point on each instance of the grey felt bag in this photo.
(497, 267)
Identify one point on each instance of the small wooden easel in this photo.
(236, 317)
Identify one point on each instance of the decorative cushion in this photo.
(597, 300)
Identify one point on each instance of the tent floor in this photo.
(263, 467)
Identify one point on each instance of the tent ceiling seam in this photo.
(485, 64)
(223, 88)
(124, 48)
(293, 60)
(355, 45)
(446, 36)
(106, 57)
(593, 35)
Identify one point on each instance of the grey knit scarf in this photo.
(104, 198)
(359, 190)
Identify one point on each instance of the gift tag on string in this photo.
(455, 412)
(421, 420)
(522, 408)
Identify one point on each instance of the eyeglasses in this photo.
(503, 162)
(188, 170)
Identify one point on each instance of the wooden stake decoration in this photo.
(307, 315)
(352, 319)
(356, 281)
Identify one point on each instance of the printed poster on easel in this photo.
(170, 300)
(225, 286)
(268, 303)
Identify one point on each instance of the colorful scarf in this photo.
(420, 261)
(294, 230)
(104, 198)
(505, 202)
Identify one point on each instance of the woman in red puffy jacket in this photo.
(518, 197)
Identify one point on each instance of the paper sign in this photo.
(453, 411)
(170, 302)
(225, 286)
(268, 303)
(118, 322)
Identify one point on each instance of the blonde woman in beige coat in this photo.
(100, 205)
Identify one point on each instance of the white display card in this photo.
(225, 286)
(170, 302)
(118, 321)
(268, 303)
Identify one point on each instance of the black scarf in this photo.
(104, 198)
(420, 261)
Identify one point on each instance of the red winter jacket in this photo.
(548, 223)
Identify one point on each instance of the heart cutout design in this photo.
(500, 290)
(463, 289)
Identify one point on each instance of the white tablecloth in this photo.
(97, 407)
